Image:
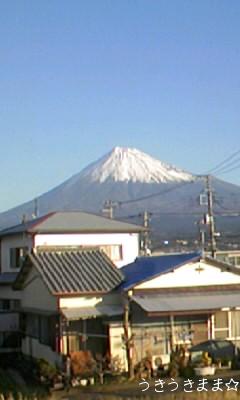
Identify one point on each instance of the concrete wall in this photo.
(129, 242)
(8, 242)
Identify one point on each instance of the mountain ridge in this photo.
(91, 187)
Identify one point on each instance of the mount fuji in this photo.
(131, 165)
(124, 175)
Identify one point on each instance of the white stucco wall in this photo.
(128, 241)
(77, 302)
(8, 242)
(109, 299)
(36, 295)
(117, 347)
(189, 275)
(31, 346)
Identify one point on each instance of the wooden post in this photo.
(67, 337)
(172, 332)
(128, 340)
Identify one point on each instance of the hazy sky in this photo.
(80, 77)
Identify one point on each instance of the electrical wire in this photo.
(150, 196)
(230, 164)
(222, 163)
(226, 171)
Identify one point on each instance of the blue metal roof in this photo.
(146, 268)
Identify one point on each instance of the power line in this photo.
(228, 165)
(222, 166)
(150, 196)
(226, 171)
(222, 163)
(180, 213)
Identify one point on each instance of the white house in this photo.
(58, 231)
(65, 302)
(178, 299)
(74, 300)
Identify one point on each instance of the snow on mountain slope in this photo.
(132, 165)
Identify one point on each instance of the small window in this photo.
(114, 251)
(4, 304)
(221, 325)
(237, 260)
(17, 256)
(44, 332)
(32, 325)
(221, 320)
(9, 304)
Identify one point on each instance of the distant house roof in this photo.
(72, 222)
(71, 272)
(146, 268)
(7, 278)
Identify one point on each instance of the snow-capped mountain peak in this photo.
(131, 165)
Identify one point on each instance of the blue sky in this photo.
(80, 77)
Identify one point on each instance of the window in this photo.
(17, 255)
(113, 251)
(235, 323)
(44, 331)
(9, 304)
(221, 325)
(4, 304)
(32, 325)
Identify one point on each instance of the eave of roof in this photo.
(182, 302)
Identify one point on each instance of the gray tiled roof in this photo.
(69, 272)
(72, 222)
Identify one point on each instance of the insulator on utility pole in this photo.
(210, 216)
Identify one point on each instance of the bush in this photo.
(83, 364)
(45, 370)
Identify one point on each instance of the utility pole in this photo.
(210, 216)
(108, 208)
(146, 240)
(35, 212)
(202, 239)
(128, 339)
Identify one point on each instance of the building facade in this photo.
(59, 232)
